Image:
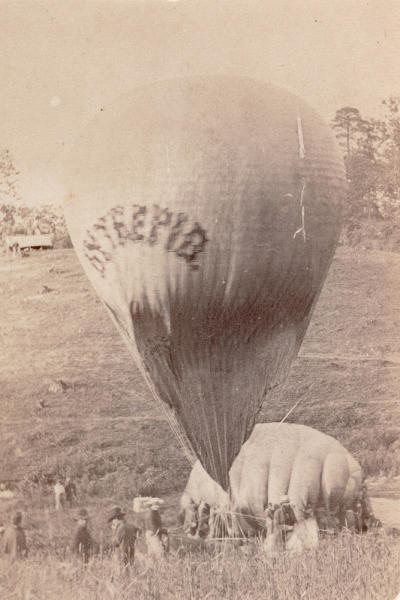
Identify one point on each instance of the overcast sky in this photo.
(60, 62)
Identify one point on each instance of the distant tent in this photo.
(29, 242)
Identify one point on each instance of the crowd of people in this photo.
(123, 538)
(13, 543)
(199, 522)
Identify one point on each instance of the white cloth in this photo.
(304, 536)
(154, 545)
(59, 493)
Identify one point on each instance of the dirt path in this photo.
(393, 358)
(90, 419)
(387, 510)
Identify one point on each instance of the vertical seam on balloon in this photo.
(302, 151)
(302, 154)
(302, 229)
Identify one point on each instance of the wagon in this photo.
(26, 243)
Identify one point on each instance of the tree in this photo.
(391, 150)
(8, 178)
(8, 193)
(361, 140)
(348, 126)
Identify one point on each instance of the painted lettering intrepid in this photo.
(144, 224)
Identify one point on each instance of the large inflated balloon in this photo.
(206, 212)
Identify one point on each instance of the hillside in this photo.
(102, 426)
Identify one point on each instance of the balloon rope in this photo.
(293, 407)
(173, 423)
(171, 418)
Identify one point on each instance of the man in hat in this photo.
(82, 543)
(283, 520)
(123, 536)
(13, 542)
(157, 538)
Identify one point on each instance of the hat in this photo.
(284, 499)
(116, 513)
(82, 514)
(17, 518)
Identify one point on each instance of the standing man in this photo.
(322, 519)
(82, 543)
(367, 516)
(157, 538)
(283, 522)
(13, 542)
(123, 536)
(269, 517)
(203, 529)
(70, 492)
(190, 519)
(59, 495)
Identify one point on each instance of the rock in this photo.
(58, 386)
(46, 290)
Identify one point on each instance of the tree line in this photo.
(371, 150)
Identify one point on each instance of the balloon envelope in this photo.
(205, 212)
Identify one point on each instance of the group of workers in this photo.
(280, 520)
(64, 493)
(200, 522)
(123, 536)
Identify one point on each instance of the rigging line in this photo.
(241, 514)
(173, 422)
(206, 424)
(168, 411)
(293, 407)
(222, 455)
(172, 419)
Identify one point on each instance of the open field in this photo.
(103, 428)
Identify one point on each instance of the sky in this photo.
(61, 62)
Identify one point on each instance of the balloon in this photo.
(205, 212)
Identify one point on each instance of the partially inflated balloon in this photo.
(206, 212)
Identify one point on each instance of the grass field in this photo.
(105, 431)
(346, 569)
